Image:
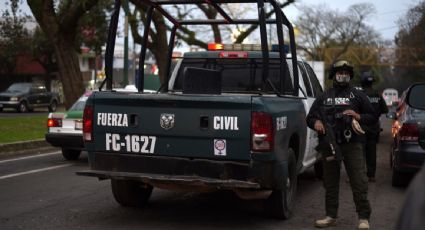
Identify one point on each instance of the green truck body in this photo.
(230, 120)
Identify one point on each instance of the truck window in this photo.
(305, 80)
(238, 75)
(317, 89)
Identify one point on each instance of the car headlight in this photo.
(14, 99)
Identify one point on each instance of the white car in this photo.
(65, 129)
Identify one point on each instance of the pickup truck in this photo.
(25, 97)
(225, 119)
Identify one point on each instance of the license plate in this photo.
(78, 125)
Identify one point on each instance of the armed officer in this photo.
(341, 109)
(372, 131)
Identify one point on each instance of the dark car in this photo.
(406, 156)
(25, 97)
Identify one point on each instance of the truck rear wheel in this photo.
(71, 154)
(53, 106)
(281, 202)
(131, 193)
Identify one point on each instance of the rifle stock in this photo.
(329, 144)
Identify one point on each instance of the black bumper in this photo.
(65, 140)
(175, 170)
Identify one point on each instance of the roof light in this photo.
(215, 46)
(233, 54)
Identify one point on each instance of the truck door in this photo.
(312, 138)
(34, 97)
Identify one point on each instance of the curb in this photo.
(25, 148)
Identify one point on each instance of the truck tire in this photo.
(22, 107)
(281, 202)
(131, 193)
(53, 106)
(71, 154)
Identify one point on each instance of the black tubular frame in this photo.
(280, 20)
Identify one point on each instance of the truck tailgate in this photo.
(209, 127)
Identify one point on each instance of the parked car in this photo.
(24, 97)
(406, 155)
(390, 95)
(65, 129)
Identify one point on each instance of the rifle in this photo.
(329, 144)
(329, 139)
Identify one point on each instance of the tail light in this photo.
(261, 132)
(54, 122)
(88, 123)
(409, 132)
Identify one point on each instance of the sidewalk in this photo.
(25, 148)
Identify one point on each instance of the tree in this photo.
(410, 52)
(60, 23)
(158, 43)
(321, 28)
(13, 37)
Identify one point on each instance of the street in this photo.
(43, 192)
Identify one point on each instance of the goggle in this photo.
(341, 63)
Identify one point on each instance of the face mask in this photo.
(342, 78)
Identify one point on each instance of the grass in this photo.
(26, 128)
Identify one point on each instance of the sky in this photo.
(384, 20)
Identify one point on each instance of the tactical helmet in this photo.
(367, 78)
(341, 65)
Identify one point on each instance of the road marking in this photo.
(29, 157)
(33, 171)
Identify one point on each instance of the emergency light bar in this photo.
(244, 47)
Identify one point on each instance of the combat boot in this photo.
(326, 222)
(363, 224)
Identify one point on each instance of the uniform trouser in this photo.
(370, 152)
(355, 167)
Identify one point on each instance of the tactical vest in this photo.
(334, 104)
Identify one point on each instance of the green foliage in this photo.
(410, 47)
(13, 37)
(93, 26)
(22, 128)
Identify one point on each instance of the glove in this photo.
(356, 127)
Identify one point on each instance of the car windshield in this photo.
(79, 104)
(19, 88)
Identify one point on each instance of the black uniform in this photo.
(372, 131)
(328, 108)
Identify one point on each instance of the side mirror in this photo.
(415, 96)
(391, 115)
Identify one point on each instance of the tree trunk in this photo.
(69, 72)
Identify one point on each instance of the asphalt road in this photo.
(43, 192)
